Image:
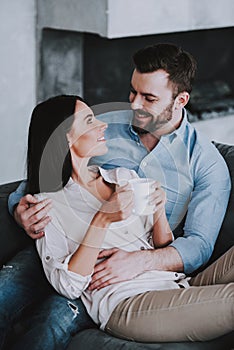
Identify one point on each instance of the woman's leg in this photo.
(53, 323)
(22, 283)
(192, 314)
(220, 272)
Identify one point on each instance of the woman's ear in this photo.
(182, 99)
(68, 139)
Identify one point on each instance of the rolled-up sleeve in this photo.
(55, 256)
(15, 196)
(205, 213)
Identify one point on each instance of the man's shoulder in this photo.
(204, 148)
(207, 157)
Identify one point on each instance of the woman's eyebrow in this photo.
(88, 116)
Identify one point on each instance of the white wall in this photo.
(137, 17)
(123, 18)
(17, 84)
(218, 129)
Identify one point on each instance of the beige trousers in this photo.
(202, 312)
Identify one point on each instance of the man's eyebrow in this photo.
(143, 93)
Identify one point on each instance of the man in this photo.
(160, 144)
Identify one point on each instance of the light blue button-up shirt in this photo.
(192, 172)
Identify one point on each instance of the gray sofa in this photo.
(13, 239)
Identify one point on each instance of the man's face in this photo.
(152, 101)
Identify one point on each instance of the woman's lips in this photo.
(102, 138)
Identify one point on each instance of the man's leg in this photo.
(53, 324)
(22, 283)
(194, 314)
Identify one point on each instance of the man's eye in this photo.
(90, 120)
(148, 99)
(133, 92)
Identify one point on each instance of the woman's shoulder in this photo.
(48, 195)
(119, 176)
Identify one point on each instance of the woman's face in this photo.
(86, 137)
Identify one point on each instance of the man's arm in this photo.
(14, 197)
(28, 212)
(121, 265)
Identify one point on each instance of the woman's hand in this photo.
(158, 198)
(119, 206)
(162, 234)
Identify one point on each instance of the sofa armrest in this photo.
(12, 237)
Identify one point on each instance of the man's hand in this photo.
(32, 215)
(120, 266)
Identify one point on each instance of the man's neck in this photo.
(150, 140)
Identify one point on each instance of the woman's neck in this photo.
(90, 180)
(81, 172)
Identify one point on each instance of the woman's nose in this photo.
(102, 125)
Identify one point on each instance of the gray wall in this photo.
(61, 63)
(17, 84)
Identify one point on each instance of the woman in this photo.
(87, 206)
(90, 211)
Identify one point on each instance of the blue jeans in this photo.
(49, 320)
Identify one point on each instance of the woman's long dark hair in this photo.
(49, 160)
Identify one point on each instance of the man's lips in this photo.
(141, 116)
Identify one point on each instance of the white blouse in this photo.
(72, 212)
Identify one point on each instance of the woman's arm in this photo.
(70, 274)
(117, 208)
(162, 234)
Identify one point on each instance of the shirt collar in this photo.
(179, 131)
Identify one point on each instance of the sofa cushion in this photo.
(12, 237)
(91, 339)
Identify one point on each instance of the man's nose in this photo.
(136, 102)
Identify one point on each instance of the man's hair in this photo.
(49, 160)
(179, 64)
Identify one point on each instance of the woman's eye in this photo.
(90, 120)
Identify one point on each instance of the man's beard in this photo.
(156, 123)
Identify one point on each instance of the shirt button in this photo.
(144, 164)
(47, 257)
(176, 274)
(142, 248)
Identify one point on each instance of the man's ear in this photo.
(182, 99)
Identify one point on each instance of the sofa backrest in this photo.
(226, 236)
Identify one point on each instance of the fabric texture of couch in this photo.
(13, 239)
